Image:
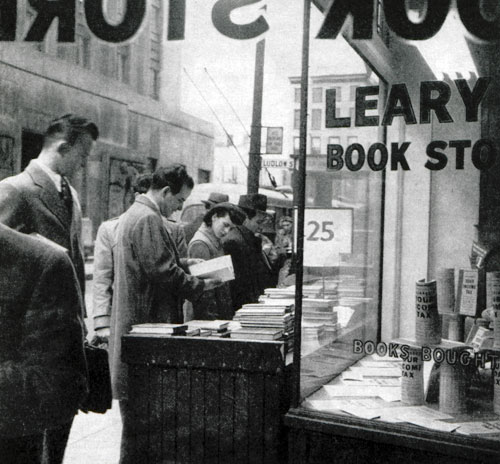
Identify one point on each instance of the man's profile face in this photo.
(256, 223)
(173, 202)
(76, 155)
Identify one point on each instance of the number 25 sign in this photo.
(327, 232)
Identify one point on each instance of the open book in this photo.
(217, 268)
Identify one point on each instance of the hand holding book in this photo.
(193, 261)
(210, 284)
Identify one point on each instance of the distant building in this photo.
(228, 166)
(321, 187)
(130, 90)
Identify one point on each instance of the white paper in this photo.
(388, 394)
(372, 381)
(339, 404)
(479, 428)
(376, 372)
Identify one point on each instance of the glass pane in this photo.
(402, 262)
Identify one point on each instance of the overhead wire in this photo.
(228, 135)
(271, 177)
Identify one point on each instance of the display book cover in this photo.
(218, 268)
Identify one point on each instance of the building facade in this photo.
(131, 91)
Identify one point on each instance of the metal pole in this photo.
(301, 202)
(255, 134)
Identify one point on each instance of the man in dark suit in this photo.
(40, 200)
(43, 374)
(252, 269)
(149, 279)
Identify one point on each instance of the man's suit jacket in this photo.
(150, 283)
(252, 270)
(30, 202)
(43, 374)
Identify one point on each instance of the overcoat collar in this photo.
(49, 195)
(144, 200)
(207, 232)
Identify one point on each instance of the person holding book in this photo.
(150, 281)
(207, 244)
(104, 268)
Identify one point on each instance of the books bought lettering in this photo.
(218, 268)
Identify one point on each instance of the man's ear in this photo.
(165, 190)
(63, 147)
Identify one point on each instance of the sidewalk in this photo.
(95, 438)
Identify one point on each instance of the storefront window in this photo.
(401, 263)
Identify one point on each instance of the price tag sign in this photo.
(327, 233)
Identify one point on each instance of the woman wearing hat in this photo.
(206, 244)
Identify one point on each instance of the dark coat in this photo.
(150, 283)
(43, 374)
(216, 303)
(30, 202)
(252, 270)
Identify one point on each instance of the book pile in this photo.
(330, 289)
(264, 333)
(160, 329)
(313, 333)
(215, 328)
(288, 292)
(351, 287)
(321, 314)
(275, 317)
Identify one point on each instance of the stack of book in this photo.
(288, 292)
(215, 328)
(350, 287)
(252, 333)
(320, 313)
(159, 329)
(330, 289)
(274, 317)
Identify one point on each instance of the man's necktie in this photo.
(66, 195)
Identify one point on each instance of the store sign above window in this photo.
(362, 12)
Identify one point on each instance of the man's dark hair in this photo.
(174, 176)
(236, 214)
(69, 127)
(142, 183)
